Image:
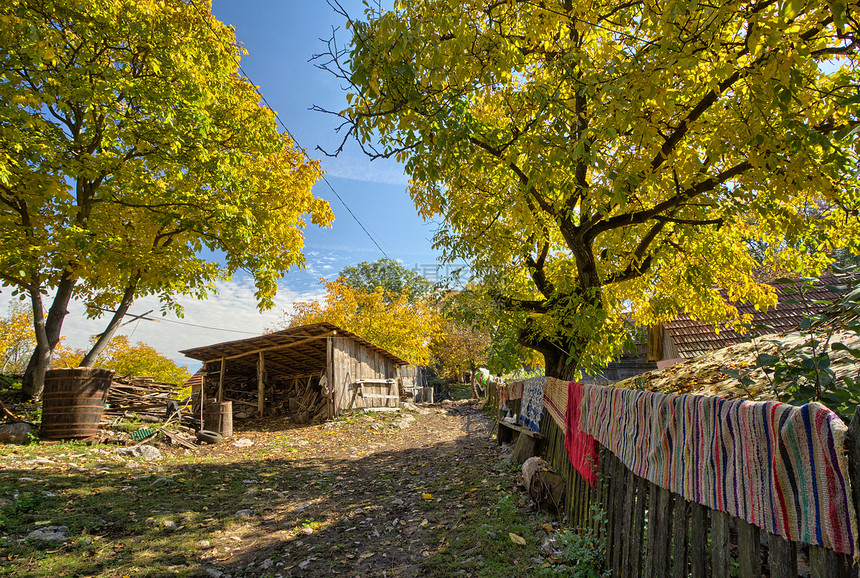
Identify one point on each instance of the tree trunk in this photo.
(556, 366)
(100, 344)
(47, 334)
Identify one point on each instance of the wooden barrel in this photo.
(218, 417)
(73, 402)
(427, 394)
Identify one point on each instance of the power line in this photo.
(145, 318)
(289, 133)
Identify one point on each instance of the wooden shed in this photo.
(312, 371)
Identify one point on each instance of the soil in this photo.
(372, 498)
(419, 492)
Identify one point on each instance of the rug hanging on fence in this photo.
(779, 467)
(582, 449)
(510, 391)
(532, 404)
(555, 400)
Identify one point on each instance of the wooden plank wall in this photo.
(353, 361)
(649, 531)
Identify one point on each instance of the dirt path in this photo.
(371, 498)
(385, 494)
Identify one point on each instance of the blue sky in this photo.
(281, 36)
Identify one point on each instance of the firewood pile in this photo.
(303, 399)
(141, 396)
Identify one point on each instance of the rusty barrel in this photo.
(73, 402)
(218, 417)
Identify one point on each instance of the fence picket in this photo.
(679, 537)
(627, 508)
(698, 541)
(749, 556)
(637, 531)
(781, 557)
(719, 544)
(664, 535)
(651, 535)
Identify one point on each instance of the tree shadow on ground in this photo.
(392, 512)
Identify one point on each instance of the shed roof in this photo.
(293, 351)
(694, 338)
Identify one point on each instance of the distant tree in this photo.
(393, 322)
(459, 348)
(140, 360)
(391, 276)
(16, 338)
(136, 160)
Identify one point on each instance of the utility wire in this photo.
(289, 133)
(145, 318)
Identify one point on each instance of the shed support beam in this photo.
(221, 382)
(261, 387)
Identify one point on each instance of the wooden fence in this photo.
(650, 531)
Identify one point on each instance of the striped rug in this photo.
(780, 467)
(555, 400)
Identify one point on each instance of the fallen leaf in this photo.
(547, 527)
(517, 539)
(428, 496)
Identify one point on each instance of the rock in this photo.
(549, 546)
(305, 564)
(49, 533)
(145, 451)
(214, 573)
(242, 443)
(244, 513)
(267, 563)
(409, 406)
(204, 543)
(169, 524)
(405, 421)
(396, 502)
(16, 433)
(241, 415)
(307, 530)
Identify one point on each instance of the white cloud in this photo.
(231, 314)
(357, 168)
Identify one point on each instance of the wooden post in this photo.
(853, 450)
(261, 387)
(329, 373)
(221, 381)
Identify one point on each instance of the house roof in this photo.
(294, 351)
(705, 375)
(693, 338)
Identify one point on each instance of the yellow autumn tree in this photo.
(394, 322)
(124, 358)
(16, 338)
(592, 159)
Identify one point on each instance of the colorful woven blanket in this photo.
(780, 467)
(510, 391)
(555, 400)
(582, 449)
(532, 408)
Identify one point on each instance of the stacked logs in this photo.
(302, 398)
(142, 396)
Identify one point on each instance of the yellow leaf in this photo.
(517, 539)
(427, 496)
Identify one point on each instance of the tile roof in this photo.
(693, 338)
